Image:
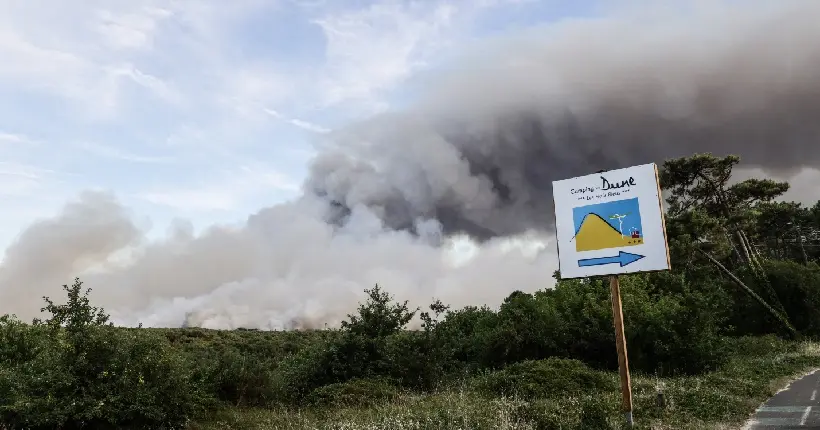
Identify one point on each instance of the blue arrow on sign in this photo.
(623, 258)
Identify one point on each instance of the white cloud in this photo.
(130, 30)
(227, 192)
(11, 139)
(305, 125)
(369, 51)
(50, 50)
(86, 50)
(153, 84)
(156, 83)
(19, 179)
(113, 152)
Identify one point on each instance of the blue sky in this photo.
(207, 110)
(627, 207)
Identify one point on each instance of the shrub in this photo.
(378, 316)
(356, 392)
(85, 373)
(798, 288)
(474, 337)
(18, 341)
(585, 311)
(360, 350)
(669, 332)
(301, 373)
(241, 379)
(544, 379)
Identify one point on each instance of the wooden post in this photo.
(620, 343)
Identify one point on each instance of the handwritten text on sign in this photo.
(606, 188)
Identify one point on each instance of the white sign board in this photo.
(610, 223)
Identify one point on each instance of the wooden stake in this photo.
(620, 343)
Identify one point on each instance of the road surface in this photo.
(795, 407)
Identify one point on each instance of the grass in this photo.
(723, 399)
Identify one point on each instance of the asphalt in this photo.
(795, 407)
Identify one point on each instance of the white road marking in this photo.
(805, 416)
(770, 422)
(813, 395)
(782, 409)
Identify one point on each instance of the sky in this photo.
(208, 110)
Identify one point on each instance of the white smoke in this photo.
(286, 268)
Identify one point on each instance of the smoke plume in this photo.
(473, 156)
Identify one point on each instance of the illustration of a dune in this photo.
(595, 233)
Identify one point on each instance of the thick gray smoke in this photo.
(475, 155)
(480, 152)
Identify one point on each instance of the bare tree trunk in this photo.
(746, 257)
(735, 251)
(755, 249)
(754, 256)
(782, 318)
(760, 272)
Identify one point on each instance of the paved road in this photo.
(796, 407)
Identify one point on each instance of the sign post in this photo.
(620, 344)
(608, 224)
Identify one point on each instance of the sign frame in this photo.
(603, 250)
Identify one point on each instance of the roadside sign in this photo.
(610, 223)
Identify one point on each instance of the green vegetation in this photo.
(539, 361)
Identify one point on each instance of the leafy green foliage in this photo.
(356, 392)
(798, 287)
(545, 378)
(80, 372)
(378, 317)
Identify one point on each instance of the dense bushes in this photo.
(796, 286)
(356, 392)
(74, 370)
(545, 378)
(674, 331)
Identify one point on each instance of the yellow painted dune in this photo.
(595, 233)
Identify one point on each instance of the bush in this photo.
(474, 337)
(671, 333)
(237, 367)
(798, 288)
(672, 328)
(18, 341)
(362, 350)
(241, 379)
(301, 373)
(585, 311)
(356, 392)
(544, 379)
(82, 372)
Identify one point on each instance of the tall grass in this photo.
(721, 399)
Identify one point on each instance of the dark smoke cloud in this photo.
(480, 151)
(476, 154)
